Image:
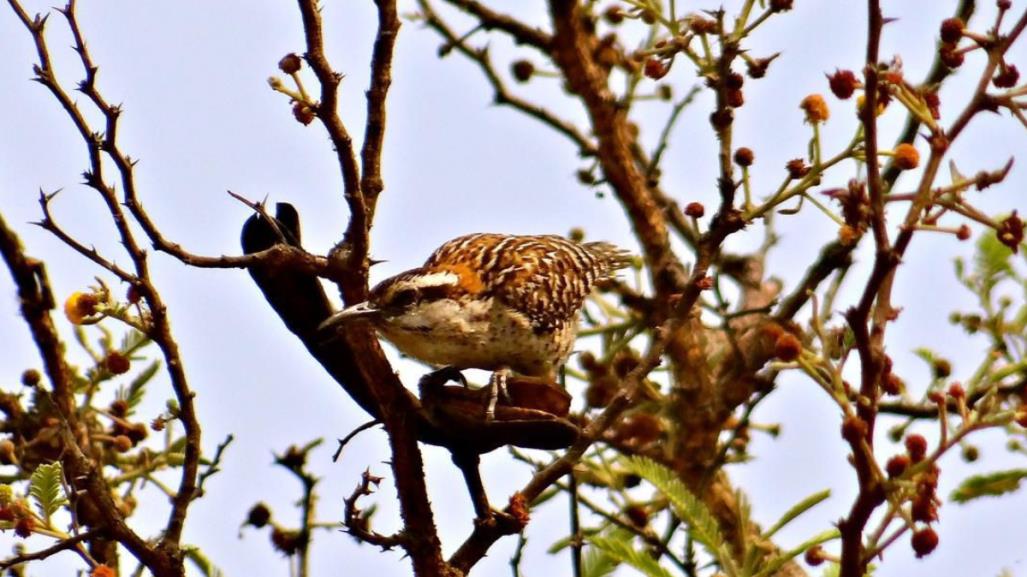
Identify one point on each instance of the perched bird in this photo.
(490, 301)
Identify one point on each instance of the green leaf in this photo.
(47, 489)
(622, 552)
(991, 261)
(778, 561)
(135, 391)
(796, 510)
(597, 563)
(989, 485)
(203, 563)
(688, 507)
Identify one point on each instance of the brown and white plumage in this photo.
(491, 301)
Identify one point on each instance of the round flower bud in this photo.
(970, 453)
(916, 446)
(952, 30)
(906, 156)
(941, 368)
(695, 210)
(259, 515)
(843, 83)
(924, 541)
(744, 156)
(655, 68)
(787, 347)
(117, 363)
(290, 63)
(304, 114)
(30, 378)
(781, 5)
(897, 465)
(522, 70)
(1007, 78)
(950, 56)
(614, 14)
(815, 556)
(122, 444)
(963, 233)
(924, 509)
(815, 108)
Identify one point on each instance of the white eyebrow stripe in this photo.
(435, 279)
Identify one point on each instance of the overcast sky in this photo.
(200, 117)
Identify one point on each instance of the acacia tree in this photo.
(677, 361)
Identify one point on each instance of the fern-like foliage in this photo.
(989, 485)
(621, 551)
(47, 489)
(702, 525)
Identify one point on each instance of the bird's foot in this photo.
(497, 388)
(442, 376)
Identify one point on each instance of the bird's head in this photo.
(405, 301)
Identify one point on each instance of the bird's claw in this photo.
(442, 376)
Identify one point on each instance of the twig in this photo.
(502, 95)
(63, 545)
(345, 440)
(357, 524)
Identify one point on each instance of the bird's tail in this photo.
(612, 256)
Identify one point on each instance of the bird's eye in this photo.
(404, 298)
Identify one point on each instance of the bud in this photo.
(956, 391)
(942, 369)
(303, 113)
(924, 541)
(614, 14)
(119, 408)
(916, 446)
(906, 156)
(950, 56)
(30, 378)
(744, 156)
(787, 347)
(734, 81)
(893, 384)
(122, 444)
(815, 108)
(1007, 78)
(259, 516)
(290, 63)
(695, 210)
(843, 83)
(522, 70)
(815, 556)
(897, 465)
(655, 68)
(952, 30)
(780, 5)
(797, 168)
(963, 233)
(117, 363)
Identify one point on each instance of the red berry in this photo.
(916, 446)
(924, 541)
(897, 465)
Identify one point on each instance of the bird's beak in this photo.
(364, 310)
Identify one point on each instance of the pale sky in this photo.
(200, 117)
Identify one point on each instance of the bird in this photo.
(502, 303)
